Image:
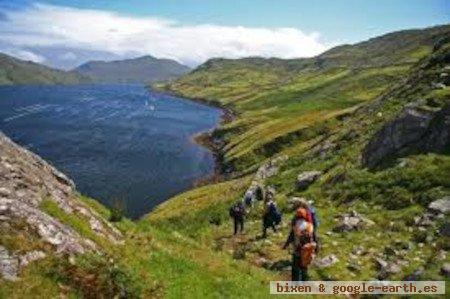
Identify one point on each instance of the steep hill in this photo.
(279, 99)
(16, 71)
(143, 69)
(367, 140)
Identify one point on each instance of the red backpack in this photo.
(303, 230)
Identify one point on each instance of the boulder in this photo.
(445, 270)
(385, 269)
(306, 178)
(9, 265)
(352, 221)
(326, 261)
(30, 257)
(415, 128)
(440, 206)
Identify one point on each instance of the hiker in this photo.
(259, 193)
(237, 212)
(301, 236)
(271, 216)
(248, 198)
(302, 203)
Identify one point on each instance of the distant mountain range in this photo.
(16, 71)
(145, 69)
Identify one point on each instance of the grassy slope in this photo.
(275, 98)
(151, 263)
(16, 71)
(289, 109)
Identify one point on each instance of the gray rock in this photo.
(352, 221)
(9, 265)
(380, 263)
(439, 85)
(306, 178)
(265, 171)
(30, 257)
(322, 148)
(26, 180)
(442, 255)
(326, 261)
(415, 128)
(358, 250)
(440, 206)
(385, 269)
(445, 270)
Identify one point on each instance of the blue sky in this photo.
(316, 25)
(343, 20)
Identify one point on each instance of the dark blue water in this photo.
(119, 143)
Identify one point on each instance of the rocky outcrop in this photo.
(265, 171)
(326, 261)
(306, 178)
(352, 221)
(440, 206)
(26, 181)
(9, 265)
(416, 128)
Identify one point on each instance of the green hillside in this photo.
(322, 118)
(16, 71)
(277, 98)
(143, 69)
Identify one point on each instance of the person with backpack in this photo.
(248, 198)
(259, 193)
(271, 217)
(237, 212)
(304, 245)
(313, 216)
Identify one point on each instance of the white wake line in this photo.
(28, 110)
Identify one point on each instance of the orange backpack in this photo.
(303, 230)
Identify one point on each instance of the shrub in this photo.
(396, 198)
(95, 276)
(117, 211)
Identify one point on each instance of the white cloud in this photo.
(68, 56)
(47, 25)
(25, 55)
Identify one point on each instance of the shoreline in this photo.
(207, 140)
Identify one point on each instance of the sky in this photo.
(64, 34)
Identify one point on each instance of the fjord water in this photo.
(119, 143)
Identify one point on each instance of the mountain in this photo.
(366, 140)
(16, 71)
(144, 69)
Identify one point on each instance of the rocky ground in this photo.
(26, 182)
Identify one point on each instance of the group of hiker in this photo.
(302, 235)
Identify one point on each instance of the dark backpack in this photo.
(275, 214)
(248, 200)
(236, 210)
(232, 211)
